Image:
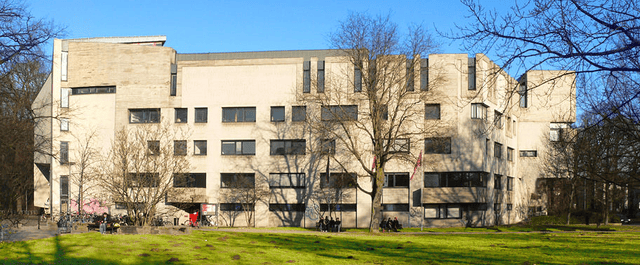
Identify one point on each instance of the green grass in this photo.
(216, 247)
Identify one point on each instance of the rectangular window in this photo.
(64, 187)
(173, 87)
(180, 147)
(340, 207)
(144, 115)
(455, 179)
(288, 147)
(93, 90)
(339, 113)
(442, 211)
(147, 180)
(555, 131)
(524, 95)
(298, 113)
(497, 182)
(64, 97)
(431, 180)
(509, 154)
(238, 147)
(237, 180)
(200, 147)
(320, 76)
(487, 147)
(338, 180)
(400, 146)
(277, 114)
(509, 183)
(395, 207)
(432, 111)
(472, 73)
(306, 88)
(497, 119)
(286, 180)
(236, 207)
(393, 180)
(357, 80)
(201, 115)
(384, 112)
(64, 124)
(64, 62)
(327, 146)
(410, 77)
(153, 147)
(514, 128)
(287, 207)
(64, 152)
(241, 114)
(181, 115)
(497, 150)
(478, 111)
(528, 153)
(190, 180)
(437, 145)
(424, 74)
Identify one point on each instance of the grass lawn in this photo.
(266, 247)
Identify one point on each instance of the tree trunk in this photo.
(376, 202)
(573, 188)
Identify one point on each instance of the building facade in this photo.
(245, 116)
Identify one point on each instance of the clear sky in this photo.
(230, 26)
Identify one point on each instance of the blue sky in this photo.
(230, 26)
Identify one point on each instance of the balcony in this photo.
(454, 195)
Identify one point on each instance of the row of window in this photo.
(464, 179)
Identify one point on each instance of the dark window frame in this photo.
(149, 115)
(299, 179)
(198, 150)
(437, 145)
(201, 115)
(432, 111)
(240, 114)
(339, 113)
(242, 147)
(227, 180)
(190, 180)
(181, 115)
(280, 112)
(298, 113)
(289, 147)
(396, 180)
(180, 147)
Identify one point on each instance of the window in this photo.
(384, 112)
(306, 77)
(442, 211)
(181, 115)
(144, 115)
(288, 147)
(298, 113)
(400, 146)
(236, 207)
(277, 114)
(514, 128)
(237, 180)
(320, 77)
(64, 97)
(528, 153)
(173, 87)
(487, 146)
(287, 207)
(64, 124)
(153, 147)
(410, 77)
(497, 150)
(327, 146)
(432, 112)
(64, 62)
(64, 152)
(93, 90)
(147, 180)
(286, 180)
(497, 119)
(201, 115)
(478, 111)
(509, 154)
(424, 74)
(243, 114)
(508, 130)
(392, 180)
(497, 182)
(190, 180)
(357, 80)
(509, 183)
(437, 145)
(472, 73)
(339, 113)
(339, 207)
(455, 179)
(337, 180)
(395, 207)
(64, 187)
(180, 147)
(200, 147)
(524, 95)
(239, 147)
(555, 131)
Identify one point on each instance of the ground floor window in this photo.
(236, 207)
(442, 211)
(395, 207)
(287, 207)
(339, 207)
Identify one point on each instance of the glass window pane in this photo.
(228, 114)
(277, 114)
(248, 147)
(431, 211)
(228, 148)
(250, 114)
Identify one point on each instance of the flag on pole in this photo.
(373, 166)
(417, 165)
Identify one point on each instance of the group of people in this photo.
(390, 225)
(329, 225)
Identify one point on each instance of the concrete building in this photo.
(246, 112)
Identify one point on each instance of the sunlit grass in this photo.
(357, 247)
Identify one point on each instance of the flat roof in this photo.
(125, 40)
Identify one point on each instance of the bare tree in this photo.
(370, 106)
(84, 171)
(139, 170)
(243, 191)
